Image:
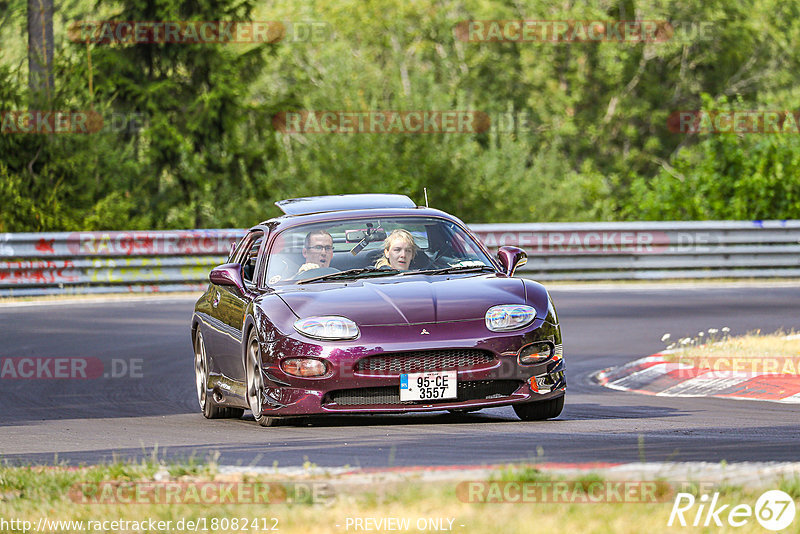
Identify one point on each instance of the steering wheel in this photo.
(313, 273)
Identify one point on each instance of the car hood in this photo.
(414, 300)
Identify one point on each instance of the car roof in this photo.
(308, 205)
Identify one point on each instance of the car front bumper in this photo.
(348, 388)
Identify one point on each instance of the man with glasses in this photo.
(318, 250)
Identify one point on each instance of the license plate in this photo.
(432, 385)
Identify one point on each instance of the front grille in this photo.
(474, 390)
(424, 360)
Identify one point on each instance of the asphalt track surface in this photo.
(154, 412)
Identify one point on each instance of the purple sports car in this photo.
(371, 304)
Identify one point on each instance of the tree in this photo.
(40, 49)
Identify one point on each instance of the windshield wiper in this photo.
(349, 273)
(457, 269)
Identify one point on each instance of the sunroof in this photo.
(303, 206)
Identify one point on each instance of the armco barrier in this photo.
(160, 261)
(652, 250)
(110, 262)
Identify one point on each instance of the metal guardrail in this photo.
(652, 250)
(161, 261)
(110, 262)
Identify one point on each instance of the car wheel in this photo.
(208, 406)
(255, 381)
(539, 411)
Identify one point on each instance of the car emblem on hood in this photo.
(424, 333)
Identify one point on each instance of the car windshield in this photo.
(357, 248)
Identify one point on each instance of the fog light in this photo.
(538, 352)
(304, 367)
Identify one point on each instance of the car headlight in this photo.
(327, 327)
(509, 317)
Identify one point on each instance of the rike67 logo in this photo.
(774, 510)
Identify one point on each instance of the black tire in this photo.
(539, 411)
(210, 409)
(255, 380)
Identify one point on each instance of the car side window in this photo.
(249, 257)
(249, 263)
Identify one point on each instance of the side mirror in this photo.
(511, 258)
(229, 274)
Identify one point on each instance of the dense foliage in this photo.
(189, 139)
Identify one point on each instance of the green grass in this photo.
(31, 492)
(756, 351)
